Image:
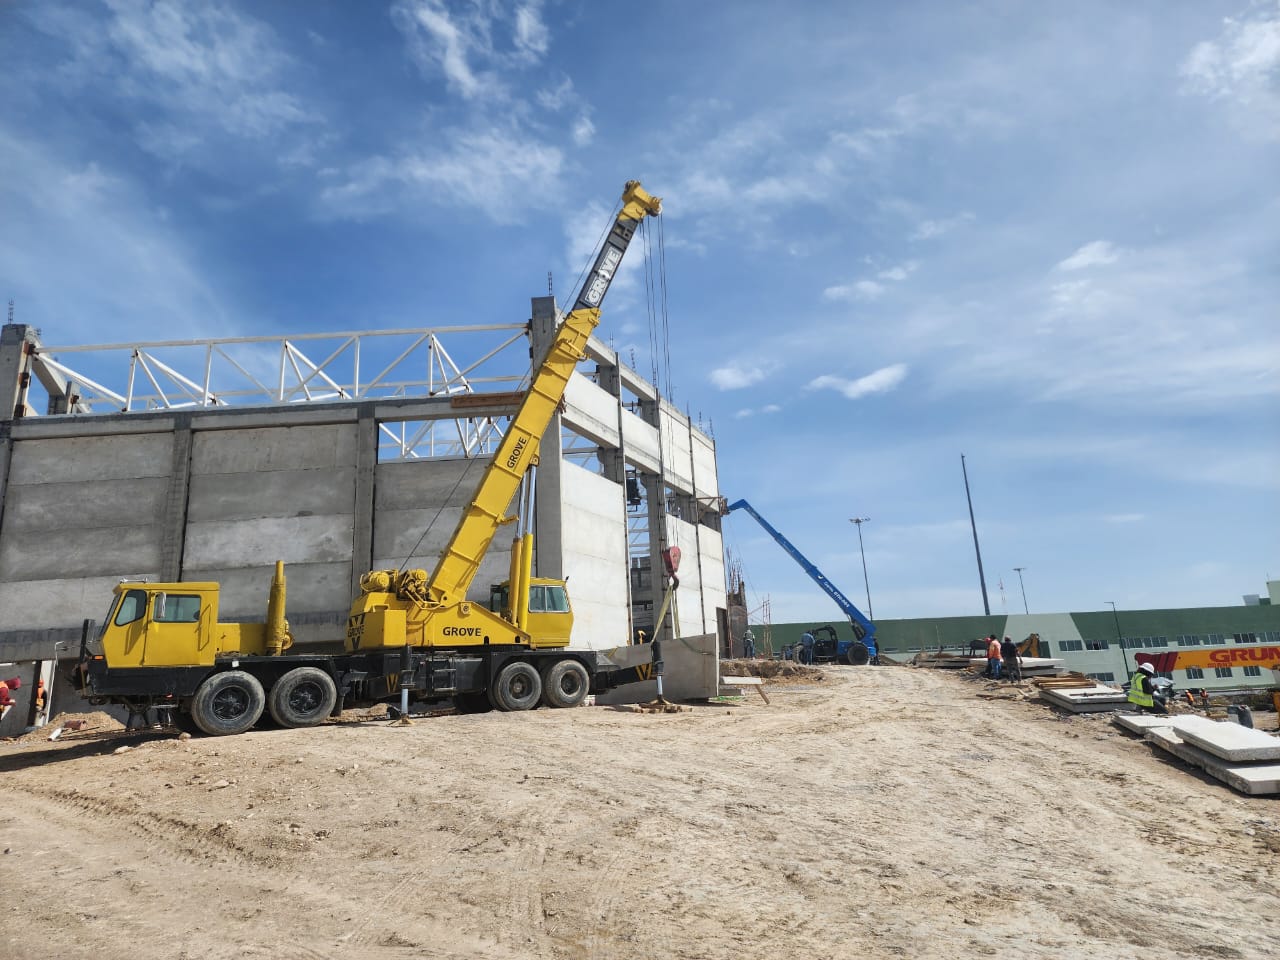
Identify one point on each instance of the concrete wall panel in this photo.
(60, 602)
(689, 593)
(591, 411)
(428, 496)
(33, 510)
(311, 588)
(675, 449)
(641, 442)
(711, 575)
(278, 448)
(595, 551)
(272, 493)
(109, 551)
(251, 543)
(705, 478)
(92, 459)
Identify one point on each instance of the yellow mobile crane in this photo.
(409, 631)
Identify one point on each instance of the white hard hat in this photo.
(1146, 668)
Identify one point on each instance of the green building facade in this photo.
(1099, 644)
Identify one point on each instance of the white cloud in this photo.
(761, 411)
(881, 381)
(85, 252)
(1126, 517)
(871, 289)
(458, 43)
(900, 272)
(1095, 254)
(211, 72)
(478, 167)
(1242, 67)
(584, 131)
(736, 377)
(929, 229)
(531, 33)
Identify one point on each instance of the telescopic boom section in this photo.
(518, 451)
(862, 627)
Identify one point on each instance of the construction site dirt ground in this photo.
(880, 812)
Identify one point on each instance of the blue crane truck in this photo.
(827, 645)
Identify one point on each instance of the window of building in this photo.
(1213, 639)
(1167, 674)
(1104, 677)
(1066, 645)
(1253, 671)
(1095, 645)
(1188, 640)
(1195, 673)
(1245, 637)
(1222, 673)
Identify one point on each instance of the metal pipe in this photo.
(982, 580)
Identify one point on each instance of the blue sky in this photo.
(1043, 236)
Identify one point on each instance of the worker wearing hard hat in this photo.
(1142, 691)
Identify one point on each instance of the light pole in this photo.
(860, 521)
(1120, 639)
(1024, 589)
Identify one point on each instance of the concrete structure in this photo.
(217, 492)
(1090, 642)
(1251, 778)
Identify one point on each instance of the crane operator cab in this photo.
(550, 619)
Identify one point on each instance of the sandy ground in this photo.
(890, 812)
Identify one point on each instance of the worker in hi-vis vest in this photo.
(1142, 690)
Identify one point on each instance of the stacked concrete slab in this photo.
(1245, 759)
(1098, 698)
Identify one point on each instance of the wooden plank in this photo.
(742, 681)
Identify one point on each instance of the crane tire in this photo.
(565, 684)
(857, 655)
(227, 703)
(518, 686)
(303, 697)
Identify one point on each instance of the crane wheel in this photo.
(518, 686)
(228, 702)
(565, 684)
(857, 655)
(303, 697)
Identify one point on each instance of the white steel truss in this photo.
(360, 365)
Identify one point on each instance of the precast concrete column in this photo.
(6, 456)
(363, 510)
(173, 536)
(548, 486)
(655, 486)
(697, 530)
(17, 342)
(614, 464)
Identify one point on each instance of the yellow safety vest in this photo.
(1135, 691)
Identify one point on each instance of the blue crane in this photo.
(863, 647)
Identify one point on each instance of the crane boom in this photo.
(518, 451)
(863, 629)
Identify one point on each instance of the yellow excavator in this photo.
(409, 632)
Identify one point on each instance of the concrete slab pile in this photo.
(1250, 778)
(1245, 759)
(1093, 698)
